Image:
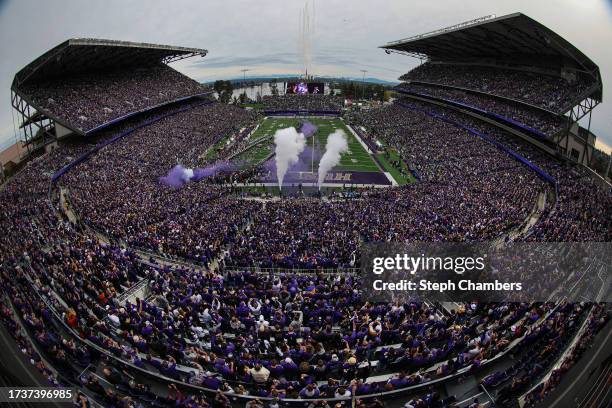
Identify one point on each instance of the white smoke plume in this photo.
(335, 147)
(289, 144)
(306, 26)
(187, 174)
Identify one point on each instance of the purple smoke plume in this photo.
(308, 129)
(178, 176)
(213, 170)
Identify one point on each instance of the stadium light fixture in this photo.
(363, 83)
(244, 71)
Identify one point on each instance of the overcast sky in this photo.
(262, 35)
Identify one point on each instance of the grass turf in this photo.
(356, 159)
(400, 178)
(256, 154)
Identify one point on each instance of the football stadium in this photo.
(162, 248)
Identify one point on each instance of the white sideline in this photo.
(367, 149)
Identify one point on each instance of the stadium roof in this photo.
(78, 55)
(513, 37)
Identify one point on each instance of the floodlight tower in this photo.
(363, 83)
(244, 71)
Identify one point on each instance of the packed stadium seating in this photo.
(144, 293)
(572, 182)
(104, 199)
(89, 100)
(271, 336)
(550, 92)
(543, 122)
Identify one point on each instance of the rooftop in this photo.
(513, 38)
(79, 55)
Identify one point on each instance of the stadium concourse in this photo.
(141, 294)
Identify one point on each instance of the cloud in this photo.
(246, 61)
(327, 63)
(603, 146)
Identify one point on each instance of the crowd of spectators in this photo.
(307, 336)
(92, 99)
(118, 192)
(303, 336)
(149, 214)
(309, 102)
(581, 211)
(543, 122)
(596, 320)
(547, 91)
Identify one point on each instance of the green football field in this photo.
(356, 159)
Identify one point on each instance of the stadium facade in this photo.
(73, 58)
(518, 42)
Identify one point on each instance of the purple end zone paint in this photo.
(336, 177)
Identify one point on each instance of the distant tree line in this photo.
(360, 90)
(224, 90)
